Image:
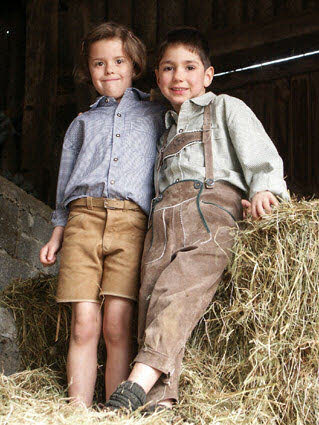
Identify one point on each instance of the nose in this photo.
(178, 74)
(108, 68)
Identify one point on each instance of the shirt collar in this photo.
(171, 118)
(204, 99)
(131, 91)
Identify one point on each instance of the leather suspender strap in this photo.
(184, 139)
(208, 148)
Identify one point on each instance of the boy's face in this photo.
(110, 68)
(181, 75)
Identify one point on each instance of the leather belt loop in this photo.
(208, 148)
(89, 203)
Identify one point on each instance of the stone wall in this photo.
(24, 228)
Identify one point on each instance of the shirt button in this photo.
(115, 159)
(177, 180)
(112, 181)
(181, 130)
(106, 100)
(118, 114)
(118, 135)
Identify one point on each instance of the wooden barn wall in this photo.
(288, 107)
(44, 44)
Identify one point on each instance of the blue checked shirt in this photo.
(109, 151)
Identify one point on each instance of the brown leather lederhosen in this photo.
(185, 253)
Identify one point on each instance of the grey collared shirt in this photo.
(109, 151)
(243, 153)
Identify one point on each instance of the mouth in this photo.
(179, 90)
(110, 80)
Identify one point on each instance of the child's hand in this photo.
(49, 250)
(246, 208)
(261, 203)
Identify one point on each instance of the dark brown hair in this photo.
(189, 37)
(132, 45)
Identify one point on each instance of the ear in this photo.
(209, 75)
(157, 77)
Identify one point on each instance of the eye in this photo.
(119, 61)
(98, 63)
(190, 67)
(167, 68)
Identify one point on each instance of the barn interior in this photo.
(253, 359)
(248, 38)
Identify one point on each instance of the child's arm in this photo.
(49, 250)
(261, 164)
(73, 138)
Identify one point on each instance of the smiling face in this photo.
(110, 68)
(181, 75)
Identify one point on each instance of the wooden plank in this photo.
(225, 41)
(144, 21)
(279, 130)
(311, 4)
(234, 13)
(12, 46)
(295, 6)
(200, 15)
(74, 24)
(272, 72)
(218, 15)
(299, 136)
(40, 93)
(314, 130)
(120, 12)
(264, 10)
(270, 51)
(171, 13)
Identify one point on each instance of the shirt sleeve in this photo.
(259, 159)
(71, 147)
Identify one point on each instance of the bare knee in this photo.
(116, 332)
(117, 323)
(86, 327)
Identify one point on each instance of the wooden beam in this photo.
(199, 15)
(144, 21)
(12, 85)
(40, 93)
(120, 12)
(299, 136)
(314, 132)
(253, 35)
(273, 72)
(171, 13)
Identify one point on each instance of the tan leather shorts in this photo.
(101, 250)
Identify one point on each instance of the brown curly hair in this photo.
(132, 45)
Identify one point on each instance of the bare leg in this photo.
(146, 376)
(82, 355)
(118, 336)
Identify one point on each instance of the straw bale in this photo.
(253, 359)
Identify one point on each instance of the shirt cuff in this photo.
(274, 184)
(59, 217)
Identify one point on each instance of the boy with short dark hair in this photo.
(214, 151)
